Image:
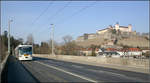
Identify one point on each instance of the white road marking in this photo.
(115, 74)
(54, 62)
(107, 72)
(82, 77)
(77, 66)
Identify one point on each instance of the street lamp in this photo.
(52, 38)
(9, 35)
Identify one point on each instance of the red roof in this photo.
(96, 49)
(130, 49)
(134, 49)
(127, 49)
(111, 49)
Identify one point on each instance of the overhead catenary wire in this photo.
(38, 17)
(56, 13)
(42, 13)
(72, 15)
(79, 11)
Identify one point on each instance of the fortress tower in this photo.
(130, 27)
(117, 26)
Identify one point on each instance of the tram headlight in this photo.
(26, 55)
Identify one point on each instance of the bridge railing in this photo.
(3, 69)
(4, 62)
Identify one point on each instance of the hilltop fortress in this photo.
(117, 27)
(107, 32)
(113, 35)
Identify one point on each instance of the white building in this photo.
(116, 27)
(130, 52)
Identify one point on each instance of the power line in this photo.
(42, 13)
(58, 11)
(79, 11)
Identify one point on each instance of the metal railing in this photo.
(3, 69)
(4, 62)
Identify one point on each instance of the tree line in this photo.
(4, 44)
(68, 47)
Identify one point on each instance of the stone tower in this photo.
(130, 27)
(117, 26)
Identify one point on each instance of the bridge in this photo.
(43, 69)
(113, 54)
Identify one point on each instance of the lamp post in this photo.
(9, 35)
(52, 38)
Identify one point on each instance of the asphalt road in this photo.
(17, 73)
(49, 70)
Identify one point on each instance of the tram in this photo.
(23, 52)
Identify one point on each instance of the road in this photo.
(50, 70)
(17, 73)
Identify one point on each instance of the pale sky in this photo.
(71, 17)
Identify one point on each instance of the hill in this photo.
(117, 38)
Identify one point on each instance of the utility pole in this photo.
(0, 44)
(9, 36)
(52, 38)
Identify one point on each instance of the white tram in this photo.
(23, 52)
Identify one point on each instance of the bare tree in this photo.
(30, 39)
(69, 47)
(44, 48)
(67, 39)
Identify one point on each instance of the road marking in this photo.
(82, 77)
(42, 71)
(54, 62)
(106, 72)
(115, 74)
(77, 66)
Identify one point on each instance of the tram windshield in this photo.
(25, 50)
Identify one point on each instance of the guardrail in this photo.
(3, 69)
(4, 62)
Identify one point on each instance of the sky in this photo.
(72, 18)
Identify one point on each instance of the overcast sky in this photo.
(71, 17)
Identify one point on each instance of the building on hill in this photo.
(107, 33)
(89, 36)
(117, 27)
(80, 39)
(146, 35)
(102, 31)
(86, 37)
